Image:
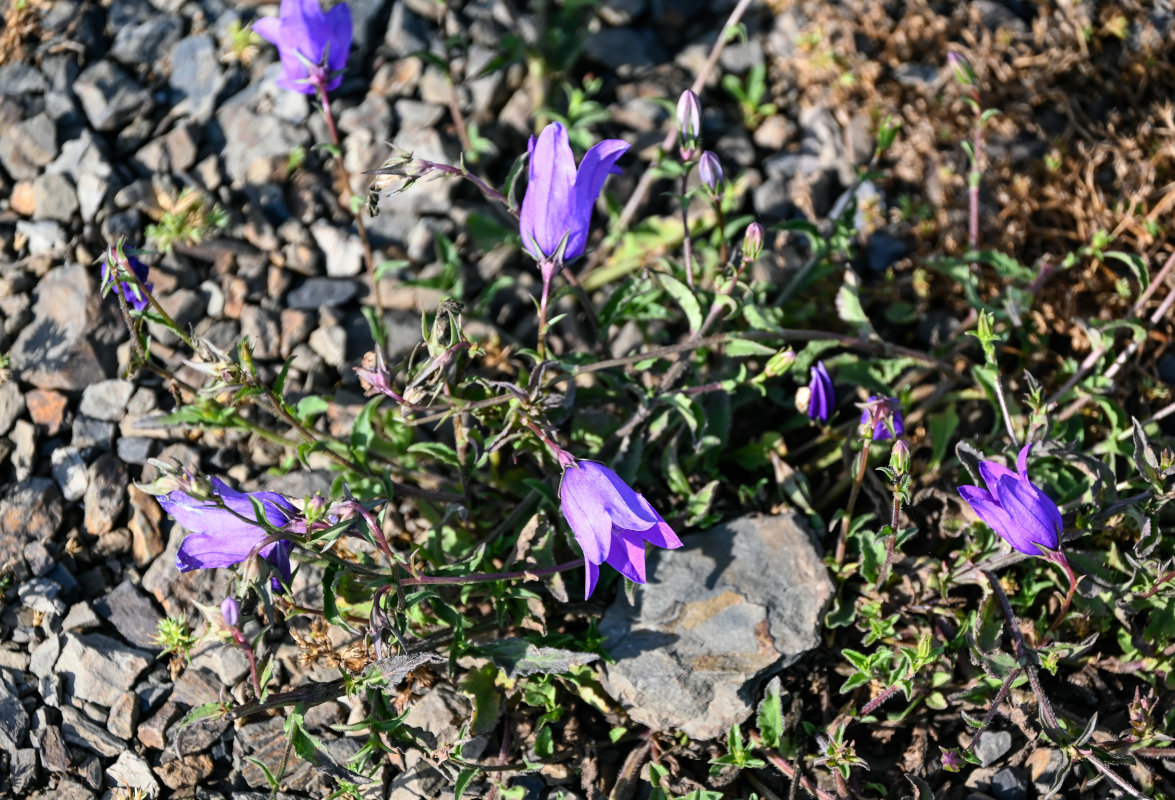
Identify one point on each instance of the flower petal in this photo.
(207, 550)
(628, 556)
(984, 504)
(269, 28)
(583, 511)
(626, 508)
(598, 163)
(1033, 514)
(338, 31)
(591, 577)
(546, 214)
(992, 471)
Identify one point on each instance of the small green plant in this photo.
(175, 637)
(187, 219)
(243, 43)
(750, 95)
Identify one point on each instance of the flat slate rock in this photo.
(55, 352)
(737, 603)
(98, 668)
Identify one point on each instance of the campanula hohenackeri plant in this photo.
(134, 298)
(313, 44)
(821, 395)
(1015, 507)
(220, 538)
(611, 522)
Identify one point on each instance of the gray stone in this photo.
(81, 157)
(738, 602)
(146, 43)
(249, 136)
(54, 352)
(65, 790)
(50, 743)
(12, 405)
(124, 716)
(106, 495)
(132, 771)
(135, 449)
(92, 432)
(330, 342)
(54, 198)
(23, 771)
(39, 559)
(43, 237)
(622, 12)
(185, 306)
(40, 594)
(322, 293)
(110, 97)
(44, 656)
(624, 50)
(24, 440)
(407, 31)
(20, 80)
(28, 145)
(69, 470)
(106, 400)
(343, 250)
(196, 77)
(991, 746)
(81, 617)
(14, 720)
(29, 511)
(226, 660)
(1010, 784)
(98, 668)
(80, 730)
(740, 56)
(264, 331)
(132, 613)
(413, 114)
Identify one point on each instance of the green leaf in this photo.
(519, 658)
(848, 304)
(737, 348)
(438, 450)
(685, 298)
(481, 685)
(770, 719)
(462, 782)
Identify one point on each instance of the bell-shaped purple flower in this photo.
(821, 395)
(557, 208)
(220, 538)
(1015, 507)
(230, 609)
(611, 522)
(313, 44)
(887, 409)
(134, 297)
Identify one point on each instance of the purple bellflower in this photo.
(611, 522)
(885, 408)
(1016, 508)
(689, 124)
(557, 207)
(821, 395)
(230, 609)
(134, 297)
(313, 44)
(219, 538)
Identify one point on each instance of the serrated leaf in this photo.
(518, 658)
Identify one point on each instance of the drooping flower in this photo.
(821, 395)
(133, 295)
(885, 408)
(611, 522)
(710, 171)
(312, 43)
(557, 208)
(1015, 507)
(220, 538)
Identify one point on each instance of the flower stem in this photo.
(858, 479)
(687, 243)
(485, 577)
(171, 323)
(1059, 559)
(247, 648)
(345, 193)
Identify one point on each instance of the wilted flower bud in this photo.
(753, 241)
(899, 457)
(710, 171)
(689, 124)
(230, 609)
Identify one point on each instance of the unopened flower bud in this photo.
(899, 457)
(753, 241)
(230, 609)
(962, 69)
(710, 171)
(780, 363)
(689, 124)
